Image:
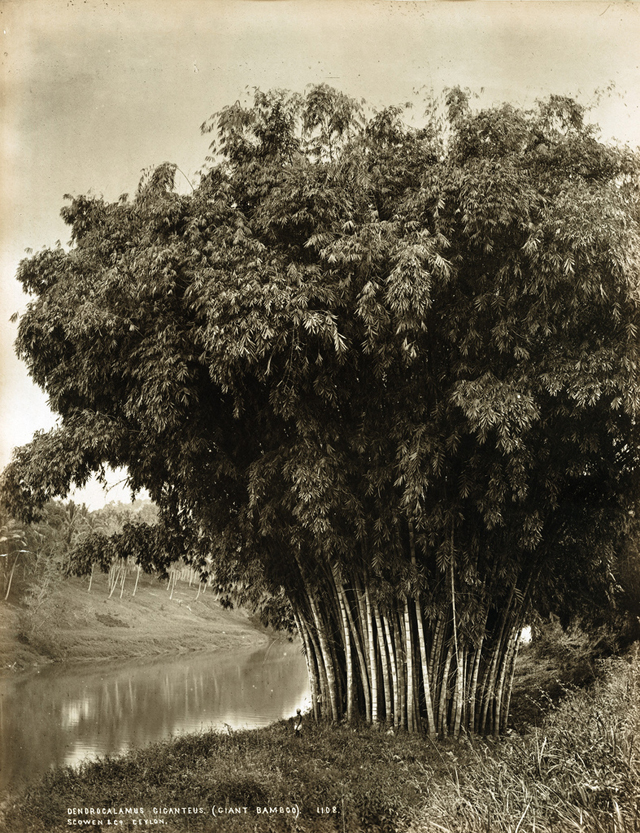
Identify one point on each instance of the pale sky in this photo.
(93, 92)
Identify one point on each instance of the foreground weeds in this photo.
(578, 771)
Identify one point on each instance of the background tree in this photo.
(379, 380)
(15, 544)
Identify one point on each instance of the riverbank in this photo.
(77, 625)
(580, 770)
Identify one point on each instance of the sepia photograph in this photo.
(320, 416)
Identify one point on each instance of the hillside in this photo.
(74, 624)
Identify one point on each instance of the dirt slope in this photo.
(80, 625)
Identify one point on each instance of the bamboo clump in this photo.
(403, 662)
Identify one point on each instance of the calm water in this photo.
(64, 715)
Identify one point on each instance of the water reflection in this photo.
(65, 715)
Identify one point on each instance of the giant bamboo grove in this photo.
(380, 380)
(391, 664)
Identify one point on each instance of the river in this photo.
(62, 715)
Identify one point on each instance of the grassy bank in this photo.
(76, 625)
(578, 771)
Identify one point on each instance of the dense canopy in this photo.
(379, 379)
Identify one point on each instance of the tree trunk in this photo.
(113, 578)
(137, 580)
(124, 578)
(13, 569)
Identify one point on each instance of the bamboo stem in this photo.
(431, 724)
(505, 664)
(310, 660)
(411, 723)
(388, 707)
(401, 665)
(359, 595)
(444, 685)
(322, 674)
(373, 670)
(488, 693)
(459, 693)
(347, 647)
(435, 657)
(364, 670)
(394, 670)
(327, 659)
(512, 671)
(474, 686)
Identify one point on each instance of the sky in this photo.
(92, 93)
